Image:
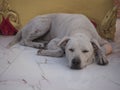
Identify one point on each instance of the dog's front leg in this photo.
(52, 53)
(100, 57)
(52, 49)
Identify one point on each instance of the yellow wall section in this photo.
(28, 9)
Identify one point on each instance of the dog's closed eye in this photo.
(85, 51)
(36, 31)
(71, 49)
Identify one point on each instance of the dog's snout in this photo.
(76, 61)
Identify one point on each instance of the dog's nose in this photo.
(76, 64)
(76, 61)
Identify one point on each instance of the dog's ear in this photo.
(95, 45)
(100, 57)
(63, 42)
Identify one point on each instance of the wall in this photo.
(28, 9)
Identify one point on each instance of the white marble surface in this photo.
(22, 69)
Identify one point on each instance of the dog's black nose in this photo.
(76, 61)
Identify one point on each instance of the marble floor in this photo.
(22, 69)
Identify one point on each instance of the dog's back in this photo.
(61, 25)
(69, 24)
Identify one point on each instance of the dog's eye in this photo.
(36, 31)
(85, 51)
(71, 49)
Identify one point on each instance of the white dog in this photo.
(72, 34)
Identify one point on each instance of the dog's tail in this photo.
(15, 40)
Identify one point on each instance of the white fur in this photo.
(62, 32)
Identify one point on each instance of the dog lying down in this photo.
(70, 34)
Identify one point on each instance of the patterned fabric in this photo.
(117, 3)
(6, 28)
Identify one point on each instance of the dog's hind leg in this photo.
(52, 49)
(32, 44)
(38, 30)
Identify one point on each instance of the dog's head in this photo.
(79, 51)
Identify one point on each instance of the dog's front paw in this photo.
(39, 52)
(101, 59)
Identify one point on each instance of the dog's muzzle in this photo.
(76, 63)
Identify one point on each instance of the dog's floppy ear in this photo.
(63, 41)
(95, 45)
(100, 57)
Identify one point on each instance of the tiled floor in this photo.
(22, 69)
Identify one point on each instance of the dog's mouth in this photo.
(75, 67)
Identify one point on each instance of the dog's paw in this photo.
(102, 59)
(39, 52)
